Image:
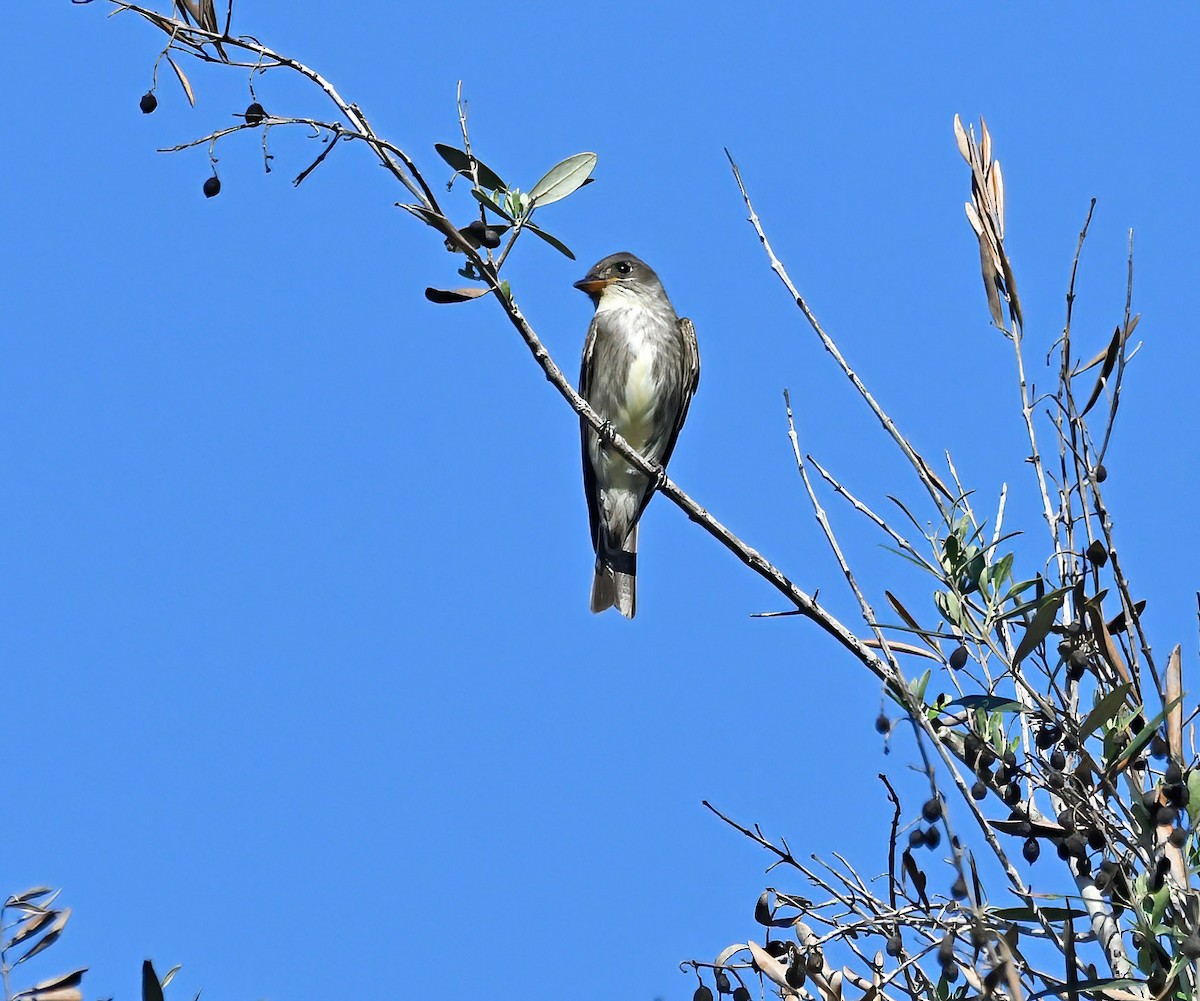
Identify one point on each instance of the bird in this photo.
(641, 367)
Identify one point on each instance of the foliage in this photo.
(29, 925)
(1054, 728)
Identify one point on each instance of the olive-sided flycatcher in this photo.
(640, 368)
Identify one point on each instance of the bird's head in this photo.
(621, 274)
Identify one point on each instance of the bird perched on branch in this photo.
(641, 366)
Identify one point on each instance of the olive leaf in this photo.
(448, 295)
(1039, 628)
(183, 82)
(461, 162)
(557, 244)
(563, 178)
(151, 988)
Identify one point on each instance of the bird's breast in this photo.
(634, 417)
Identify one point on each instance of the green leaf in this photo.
(486, 202)
(448, 295)
(1105, 709)
(999, 571)
(1160, 899)
(1193, 786)
(151, 988)
(563, 178)
(1021, 588)
(1051, 913)
(1088, 987)
(557, 244)
(461, 162)
(918, 686)
(990, 703)
(1144, 738)
(1039, 628)
(948, 604)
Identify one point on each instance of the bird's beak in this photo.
(592, 285)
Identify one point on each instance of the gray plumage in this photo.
(641, 366)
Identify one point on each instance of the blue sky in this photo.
(302, 689)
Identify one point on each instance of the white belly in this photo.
(633, 419)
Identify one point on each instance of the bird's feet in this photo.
(606, 432)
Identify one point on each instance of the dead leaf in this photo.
(447, 295)
(183, 82)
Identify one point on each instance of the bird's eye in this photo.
(624, 267)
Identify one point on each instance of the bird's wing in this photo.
(689, 383)
(589, 474)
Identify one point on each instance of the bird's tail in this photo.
(615, 582)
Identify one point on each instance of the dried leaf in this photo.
(170, 974)
(1174, 694)
(72, 979)
(1010, 287)
(991, 280)
(1023, 828)
(902, 612)
(987, 141)
(973, 219)
(28, 895)
(771, 967)
(1110, 359)
(996, 180)
(51, 935)
(1118, 623)
(919, 879)
(1105, 642)
(208, 16)
(960, 137)
(424, 214)
(30, 927)
(728, 953)
(61, 988)
(449, 295)
(762, 909)
(56, 994)
(897, 647)
(183, 82)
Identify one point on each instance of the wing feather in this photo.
(589, 474)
